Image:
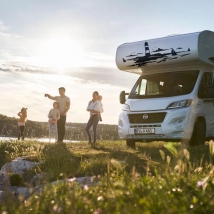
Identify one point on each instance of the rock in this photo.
(21, 191)
(19, 165)
(15, 193)
(1, 196)
(4, 180)
(81, 181)
(85, 181)
(3, 177)
(37, 179)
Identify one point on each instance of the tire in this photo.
(130, 143)
(198, 135)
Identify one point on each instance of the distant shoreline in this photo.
(41, 140)
(39, 130)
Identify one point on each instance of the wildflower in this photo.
(200, 183)
(96, 211)
(100, 198)
(85, 187)
(71, 179)
(57, 209)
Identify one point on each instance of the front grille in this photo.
(145, 126)
(147, 118)
(150, 136)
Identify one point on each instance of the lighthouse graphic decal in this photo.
(157, 55)
(147, 52)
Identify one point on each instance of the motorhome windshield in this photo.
(164, 84)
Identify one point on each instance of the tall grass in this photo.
(154, 178)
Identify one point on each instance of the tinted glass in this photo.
(165, 84)
(205, 81)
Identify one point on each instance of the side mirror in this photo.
(123, 97)
(209, 91)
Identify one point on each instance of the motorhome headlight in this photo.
(126, 107)
(180, 104)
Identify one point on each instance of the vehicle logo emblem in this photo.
(145, 116)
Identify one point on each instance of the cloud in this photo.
(51, 52)
(27, 89)
(23, 67)
(111, 76)
(15, 48)
(25, 85)
(100, 75)
(101, 56)
(3, 27)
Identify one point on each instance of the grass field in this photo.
(153, 178)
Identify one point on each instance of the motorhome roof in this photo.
(175, 51)
(167, 36)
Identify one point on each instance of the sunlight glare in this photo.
(60, 53)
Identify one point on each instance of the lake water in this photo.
(42, 140)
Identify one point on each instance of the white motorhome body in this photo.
(173, 98)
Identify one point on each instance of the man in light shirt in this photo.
(64, 106)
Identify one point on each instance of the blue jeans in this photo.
(53, 130)
(93, 121)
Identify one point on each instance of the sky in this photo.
(47, 44)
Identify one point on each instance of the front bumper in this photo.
(177, 124)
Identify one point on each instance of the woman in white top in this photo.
(95, 108)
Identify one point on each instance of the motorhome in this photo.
(173, 99)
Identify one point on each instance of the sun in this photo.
(60, 53)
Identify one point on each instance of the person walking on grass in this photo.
(95, 108)
(21, 123)
(54, 116)
(64, 106)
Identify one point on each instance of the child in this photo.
(54, 115)
(21, 122)
(100, 99)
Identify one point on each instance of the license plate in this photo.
(144, 131)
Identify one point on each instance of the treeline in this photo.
(74, 131)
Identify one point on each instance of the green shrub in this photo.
(15, 179)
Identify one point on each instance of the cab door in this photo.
(207, 102)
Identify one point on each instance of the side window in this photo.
(205, 81)
(152, 88)
(148, 87)
(141, 87)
